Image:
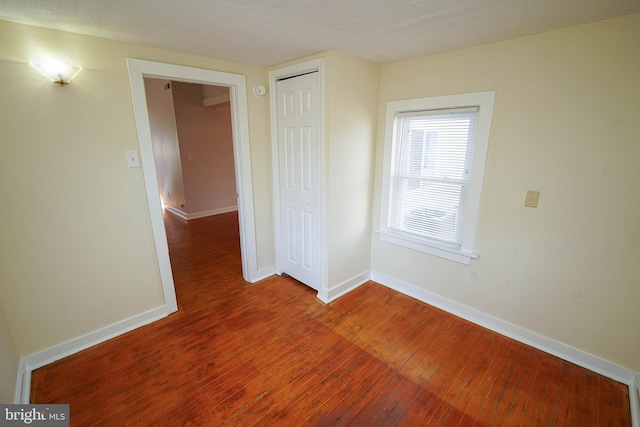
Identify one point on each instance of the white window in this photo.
(434, 156)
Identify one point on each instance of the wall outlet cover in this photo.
(532, 199)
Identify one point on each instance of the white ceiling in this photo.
(267, 32)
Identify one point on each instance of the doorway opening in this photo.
(192, 147)
(236, 84)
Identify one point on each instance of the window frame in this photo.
(484, 101)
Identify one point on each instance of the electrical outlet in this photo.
(132, 159)
(532, 199)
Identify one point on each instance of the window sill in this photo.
(431, 249)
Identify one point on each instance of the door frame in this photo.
(138, 70)
(274, 76)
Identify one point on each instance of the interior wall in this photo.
(76, 246)
(164, 138)
(566, 124)
(206, 151)
(350, 89)
(9, 362)
(351, 97)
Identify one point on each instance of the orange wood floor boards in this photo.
(272, 354)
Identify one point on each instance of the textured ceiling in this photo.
(267, 32)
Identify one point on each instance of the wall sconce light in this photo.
(60, 73)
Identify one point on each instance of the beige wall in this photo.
(9, 362)
(351, 96)
(164, 139)
(76, 249)
(350, 89)
(566, 123)
(206, 150)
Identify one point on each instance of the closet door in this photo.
(299, 177)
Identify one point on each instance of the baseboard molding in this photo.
(264, 273)
(75, 345)
(218, 211)
(328, 295)
(548, 345)
(195, 215)
(177, 212)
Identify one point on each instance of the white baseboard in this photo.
(218, 211)
(548, 345)
(195, 215)
(75, 345)
(264, 273)
(177, 212)
(328, 295)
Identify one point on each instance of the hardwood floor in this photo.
(272, 354)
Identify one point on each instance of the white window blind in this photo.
(432, 158)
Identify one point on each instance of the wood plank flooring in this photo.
(272, 354)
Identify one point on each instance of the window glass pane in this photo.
(430, 176)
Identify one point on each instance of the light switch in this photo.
(132, 159)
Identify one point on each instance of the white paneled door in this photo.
(299, 177)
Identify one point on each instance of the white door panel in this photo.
(299, 177)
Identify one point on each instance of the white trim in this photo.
(25, 396)
(138, 70)
(450, 254)
(274, 76)
(67, 348)
(328, 295)
(266, 272)
(548, 345)
(195, 215)
(634, 398)
(485, 103)
(244, 183)
(59, 351)
(211, 212)
(21, 383)
(177, 212)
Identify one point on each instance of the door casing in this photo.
(138, 70)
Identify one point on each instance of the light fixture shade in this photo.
(60, 73)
